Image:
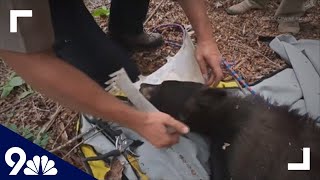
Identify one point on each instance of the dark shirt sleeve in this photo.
(33, 34)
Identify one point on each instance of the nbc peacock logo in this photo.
(44, 164)
(37, 166)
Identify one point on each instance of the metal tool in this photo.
(116, 136)
(123, 144)
(113, 153)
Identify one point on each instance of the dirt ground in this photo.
(237, 38)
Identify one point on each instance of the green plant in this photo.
(103, 12)
(26, 92)
(14, 82)
(30, 134)
(43, 140)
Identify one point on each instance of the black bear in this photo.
(263, 137)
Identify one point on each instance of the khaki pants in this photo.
(33, 34)
(289, 10)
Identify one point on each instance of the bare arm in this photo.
(67, 85)
(207, 53)
(196, 13)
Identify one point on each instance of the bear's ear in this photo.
(148, 90)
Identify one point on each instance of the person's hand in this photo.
(155, 129)
(208, 57)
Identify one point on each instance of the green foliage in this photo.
(13, 127)
(43, 141)
(14, 82)
(30, 134)
(103, 12)
(6, 90)
(26, 92)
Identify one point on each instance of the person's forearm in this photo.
(207, 52)
(197, 14)
(72, 88)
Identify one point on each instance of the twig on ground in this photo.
(39, 109)
(14, 105)
(50, 122)
(250, 48)
(73, 140)
(239, 64)
(154, 12)
(64, 135)
(76, 146)
(70, 121)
